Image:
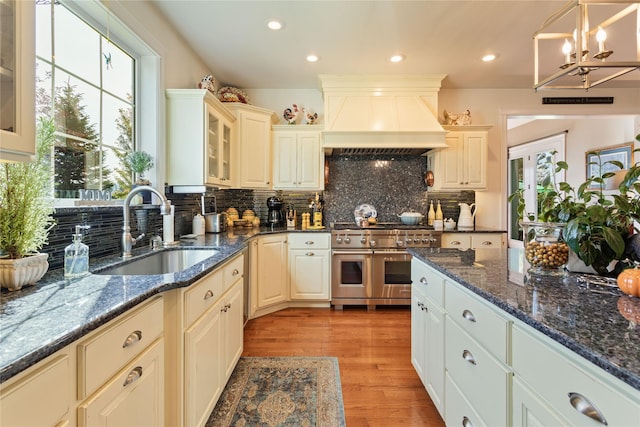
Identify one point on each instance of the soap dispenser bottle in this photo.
(76, 256)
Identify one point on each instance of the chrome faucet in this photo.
(128, 241)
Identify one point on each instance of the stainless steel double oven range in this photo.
(370, 266)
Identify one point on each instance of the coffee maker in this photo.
(275, 217)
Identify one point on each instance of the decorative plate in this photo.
(233, 94)
(363, 212)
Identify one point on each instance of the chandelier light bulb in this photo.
(601, 36)
(566, 49)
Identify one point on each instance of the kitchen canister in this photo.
(198, 225)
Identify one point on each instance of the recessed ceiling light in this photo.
(396, 58)
(312, 58)
(489, 57)
(274, 24)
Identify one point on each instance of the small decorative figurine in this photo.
(461, 119)
(291, 114)
(310, 118)
(209, 83)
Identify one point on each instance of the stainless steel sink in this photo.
(171, 261)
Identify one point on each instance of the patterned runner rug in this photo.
(281, 391)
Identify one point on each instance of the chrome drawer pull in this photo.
(133, 338)
(309, 254)
(469, 316)
(487, 243)
(208, 295)
(235, 272)
(466, 355)
(133, 376)
(424, 280)
(456, 242)
(582, 405)
(466, 422)
(309, 242)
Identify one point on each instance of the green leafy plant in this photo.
(26, 204)
(140, 162)
(597, 224)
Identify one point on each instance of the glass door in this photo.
(213, 148)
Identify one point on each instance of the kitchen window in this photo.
(530, 167)
(89, 66)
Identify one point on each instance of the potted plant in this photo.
(25, 215)
(595, 226)
(139, 162)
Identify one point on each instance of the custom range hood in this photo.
(381, 114)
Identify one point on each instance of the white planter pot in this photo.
(16, 273)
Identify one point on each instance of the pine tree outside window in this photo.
(86, 82)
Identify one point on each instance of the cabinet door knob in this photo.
(585, 407)
(208, 295)
(133, 376)
(235, 272)
(424, 280)
(133, 338)
(468, 356)
(469, 316)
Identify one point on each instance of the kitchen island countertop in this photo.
(586, 319)
(39, 320)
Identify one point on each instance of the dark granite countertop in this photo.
(586, 319)
(39, 320)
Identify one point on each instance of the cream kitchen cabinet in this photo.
(20, 395)
(252, 147)
(204, 342)
(470, 240)
(17, 77)
(463, 165)
(268, 279)
(309, 266)
(555, 386)
(298, 158)
(199, 139)
(427, 331)
(120, 370)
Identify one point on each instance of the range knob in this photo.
(399, 243)
(347, 239)
(363, 240)
(372, 243)
(338, 239)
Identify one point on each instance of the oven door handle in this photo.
(352, 253)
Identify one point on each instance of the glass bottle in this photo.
(439, 211)
(76, 256)
(431, 216)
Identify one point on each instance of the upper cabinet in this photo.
(17, 77)
(199, 139)
(463, 165)
(252, 146)
(297, 157)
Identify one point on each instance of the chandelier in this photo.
(576, 53)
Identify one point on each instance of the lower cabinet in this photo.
(498, 371)
(309, 266)
(268, 278)
(470, 240)
(20, 395)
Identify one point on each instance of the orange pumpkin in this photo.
(630, 308)
(629, 281)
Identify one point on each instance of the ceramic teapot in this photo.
(467, 213)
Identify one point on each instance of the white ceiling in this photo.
(358, 37)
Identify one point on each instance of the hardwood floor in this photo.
(379, 385)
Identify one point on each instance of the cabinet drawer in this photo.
(105, 353)
(233, 271)
(456, 240)
(40, 397)
(458, 410)
(478, 319)
(486, 240)
(481, 378)
(430, 282)
(202, 295)
(556, 373)
(309, 240)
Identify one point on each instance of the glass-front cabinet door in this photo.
(213, 147)
(17, 80)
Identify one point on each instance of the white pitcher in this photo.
(467, 213)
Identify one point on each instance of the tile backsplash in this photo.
(392, 184)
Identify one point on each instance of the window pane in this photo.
(77, 46)
(43, 89)
(72, 157)
(116, 177)
(43, 33)
(77, 107)
(116, 123)
(117, 72)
